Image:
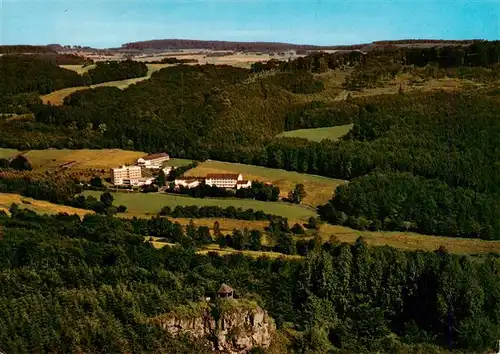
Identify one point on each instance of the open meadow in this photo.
(57, 97)
(318, 134)
(79, 69)
(319, 189)
(38, 206)
(75, 159)
(142, 204)
(402, 240)
(177, 162)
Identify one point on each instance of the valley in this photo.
(348, 192)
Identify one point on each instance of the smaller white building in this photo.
(223, 180)
(167, 170)
(187, 183)
(243, 184)
(153, 160)
(141, 181)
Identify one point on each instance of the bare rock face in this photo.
(232, 326)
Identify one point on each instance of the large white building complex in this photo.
(129, 175)
(227, 180)
(153, 160)
(125, 173)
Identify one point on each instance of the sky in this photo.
(105, 24)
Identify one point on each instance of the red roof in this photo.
(155, 156)
(242, 182)
(223, 175)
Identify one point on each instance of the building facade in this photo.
(223, 180)
(243, 184)
(153, 160)
(187, 183)
(124, 174)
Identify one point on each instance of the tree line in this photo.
(214, 211)
(90, 285)
(105, 71)
(404, 202)
(258, 191)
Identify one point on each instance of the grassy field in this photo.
(224, 251)
(57, 97)
(79, 69)
(177, 162)
(38, 206)
(318, 134)
(140, 204)
(319, 189)
(411, 241)
(82, 159)
(256, 254)
(401, 240)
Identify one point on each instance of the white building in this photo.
(187, 183)
(243, 184)
(124, 174)
(167, 170)
(153, 160)
(227, 180)
(141, 181)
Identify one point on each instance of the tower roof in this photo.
(225, 289)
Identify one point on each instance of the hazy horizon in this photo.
(111, 24)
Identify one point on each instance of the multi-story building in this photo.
(153, 160)
(227, 180)
(142, 181)
(124, 174)
(187, 183)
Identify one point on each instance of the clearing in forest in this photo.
(56, 98)
(409, 241)
(141, 204)
(38, 206)
(79, 69)
(319, 189)
(157, 243)
(75, 159)
(318, 134)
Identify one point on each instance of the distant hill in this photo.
(18, 49)
(164, 44)
(224, 45)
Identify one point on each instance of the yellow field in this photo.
(410, 240)
(38, 206)
(256, 254)
(57, 97)
(319, 189)
(242, 60)
(223, 251)
(81, 159)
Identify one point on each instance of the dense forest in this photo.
(225, 45)
(18, 49)
(26, 73)
(234, 114)
(114, 70)
(91, 286)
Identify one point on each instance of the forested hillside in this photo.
(448, 140)
(114, 70)
(26, 73)
(91, 286)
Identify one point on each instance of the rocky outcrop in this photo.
(230, 326)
